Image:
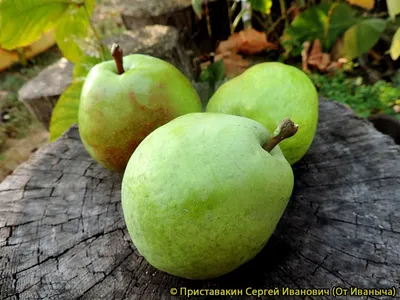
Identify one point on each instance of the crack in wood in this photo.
(63, 235)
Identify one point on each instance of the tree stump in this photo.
(40, 94)
(62, 232)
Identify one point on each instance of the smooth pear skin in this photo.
(118, 111)
(200, 196)
(269, 92)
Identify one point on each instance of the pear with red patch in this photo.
(124, 101)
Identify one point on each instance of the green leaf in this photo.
(393, 8)
(196, 4)
(83, 67)
(362, 37)
(65, 113)
(89, 5)
(308, 26)
(23, 21)
(395, 47)
(263, 6)
(325, 6)
(214, 73)
(341, 18)
(326, 22)
(72, 33)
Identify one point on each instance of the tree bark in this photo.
(62, 233)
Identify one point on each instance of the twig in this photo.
(237, 19)
(208, 20)
(276, 23)
(260, 21)
(230, 12)
(283, 12)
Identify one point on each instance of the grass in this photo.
(363, 99)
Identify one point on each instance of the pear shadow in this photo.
(254, 273)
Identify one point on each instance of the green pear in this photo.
(122, 102)
(202, 194)
(268, 92)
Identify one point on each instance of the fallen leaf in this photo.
(322, 61)
(325, 61)
(248, 41)
(333, 66)
(315, 56)
(234, 63)
(304, 55)
(367, 4)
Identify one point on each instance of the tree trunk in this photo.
(62, 232)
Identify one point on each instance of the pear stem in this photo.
(116, 52)
(285, 130)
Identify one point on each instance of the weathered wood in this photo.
(388, 125)
(40, 94)
(62, 233)
(180, 14)
(158, 41)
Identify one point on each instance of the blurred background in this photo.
(349, 48)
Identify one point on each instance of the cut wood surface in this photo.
(62, 232)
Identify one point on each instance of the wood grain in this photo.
(62, 233)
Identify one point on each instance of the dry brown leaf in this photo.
(333, 66)
(231, 44)
(248, 41)
(367, 4)
(315, 56)
(304, 55)
(325, 61)
(320, 60)
(234, 63)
